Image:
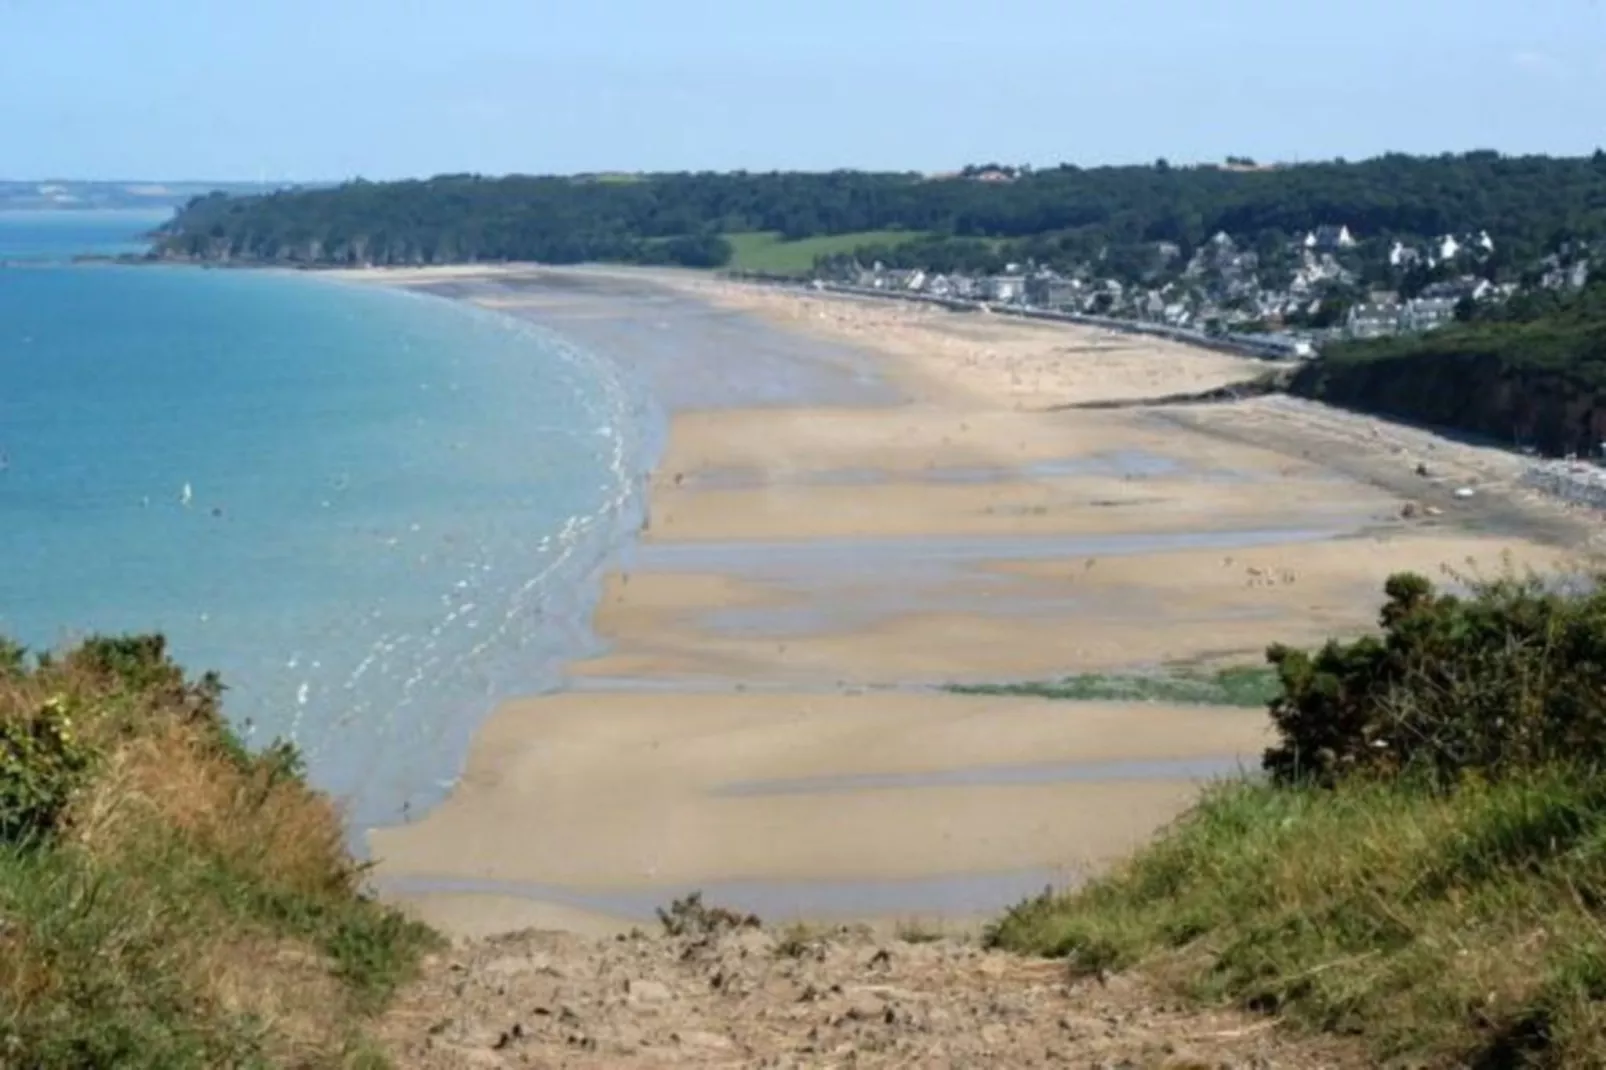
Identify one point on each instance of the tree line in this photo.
(1527, 204)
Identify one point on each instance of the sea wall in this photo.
(1578, 482)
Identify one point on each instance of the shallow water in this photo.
(375, 513)
(1133, 464)
(831, 585)
(929, 557)
(1103, 772)
(688, 354)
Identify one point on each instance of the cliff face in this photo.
(360, 251)
(1511, 393)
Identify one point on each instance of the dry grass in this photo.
(1456, 928)
(166, 898)
(1426, 864)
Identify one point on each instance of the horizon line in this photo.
(1226, 161)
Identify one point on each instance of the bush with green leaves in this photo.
(170, 898)
(42, 763)
(62, 716)
(1509, 677)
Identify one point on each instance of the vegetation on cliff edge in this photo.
(168, 898)
(1424, 864)
(1533, 374)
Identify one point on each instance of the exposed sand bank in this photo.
(904, 511)
(960, 357)
(670, 789)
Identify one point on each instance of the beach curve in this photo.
(897, 510)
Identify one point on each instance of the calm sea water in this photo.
(55, 236)
(374, 513)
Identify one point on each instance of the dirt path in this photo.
(743, 996)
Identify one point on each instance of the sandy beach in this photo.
(858, 501)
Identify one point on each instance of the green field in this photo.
(763, 250)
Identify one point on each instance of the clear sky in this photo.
(318, 89)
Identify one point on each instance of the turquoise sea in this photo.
(375, 513)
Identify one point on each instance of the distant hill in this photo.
(65, 194)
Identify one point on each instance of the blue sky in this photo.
(312, 89)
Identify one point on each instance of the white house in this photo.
(1401, 255)
(1005, 287)
(1329, 238)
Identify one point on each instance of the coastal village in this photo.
(1287, 301)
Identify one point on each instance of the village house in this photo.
(1402, 255)
(1004, 289)
(1330, 239)
(1372, 320)
(1052, 291)
(1427, 313)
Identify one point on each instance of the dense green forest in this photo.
(1528, 204)
(1532, 373)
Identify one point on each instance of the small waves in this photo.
(400, 501)
(388, 728)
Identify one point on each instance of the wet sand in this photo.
(859, 500)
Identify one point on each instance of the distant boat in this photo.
(186, 495)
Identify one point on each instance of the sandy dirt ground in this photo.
(746, 997)
(678, 790)
(757, 723)
(1014, 363)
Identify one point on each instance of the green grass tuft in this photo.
(1438, 925)
(1239, 686)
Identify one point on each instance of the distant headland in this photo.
(64, 195)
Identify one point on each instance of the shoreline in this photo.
(579, 588)
(365, 559)
(762, 670)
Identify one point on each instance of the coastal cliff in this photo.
(1536, 381)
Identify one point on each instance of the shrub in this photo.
(1510, 677)
(690, 916)
(168, 897)
(13, 658)
(42, 763)
(1424, 867)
